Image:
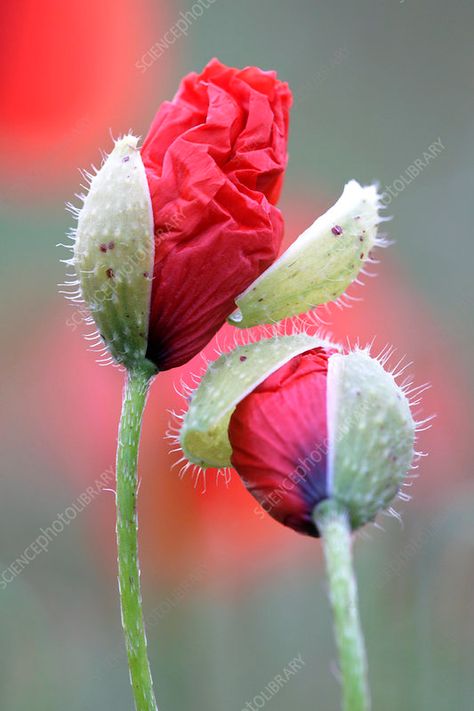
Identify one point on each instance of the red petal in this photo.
(278, 435)
(214, 159)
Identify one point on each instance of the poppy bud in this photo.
(320, 265)
(321, 424)
(193, 215)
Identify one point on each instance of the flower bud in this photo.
(171, 234)
(114, 250)
(312, 425)
(320, 265)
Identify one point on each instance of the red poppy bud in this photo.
(324, 425)
(214, 160)
(301, 422)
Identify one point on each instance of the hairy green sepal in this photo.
(319, 266)
(114, 253)
(371, 435)
(203, 435)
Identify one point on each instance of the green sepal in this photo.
(114, 253)
(319, 266)
(203, 435)
(371, 434)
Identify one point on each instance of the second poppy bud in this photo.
(322, 425)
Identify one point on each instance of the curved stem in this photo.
(134, 399)
(333, 524)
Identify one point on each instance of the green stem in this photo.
(134, 400)
(333, 524)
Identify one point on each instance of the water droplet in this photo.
(237, 316)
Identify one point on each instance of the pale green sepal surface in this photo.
(371, 435)
(319, 266)
(114, 253)
(203, 436)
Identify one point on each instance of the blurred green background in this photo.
(231, 599)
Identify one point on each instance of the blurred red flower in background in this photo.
(64, 85)
(214, 158)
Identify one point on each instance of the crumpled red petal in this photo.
(214, 159)
(278, 435)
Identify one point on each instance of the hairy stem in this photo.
(334, 527)
(134, 399)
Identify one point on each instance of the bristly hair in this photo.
(413, 394)
(71, 287)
